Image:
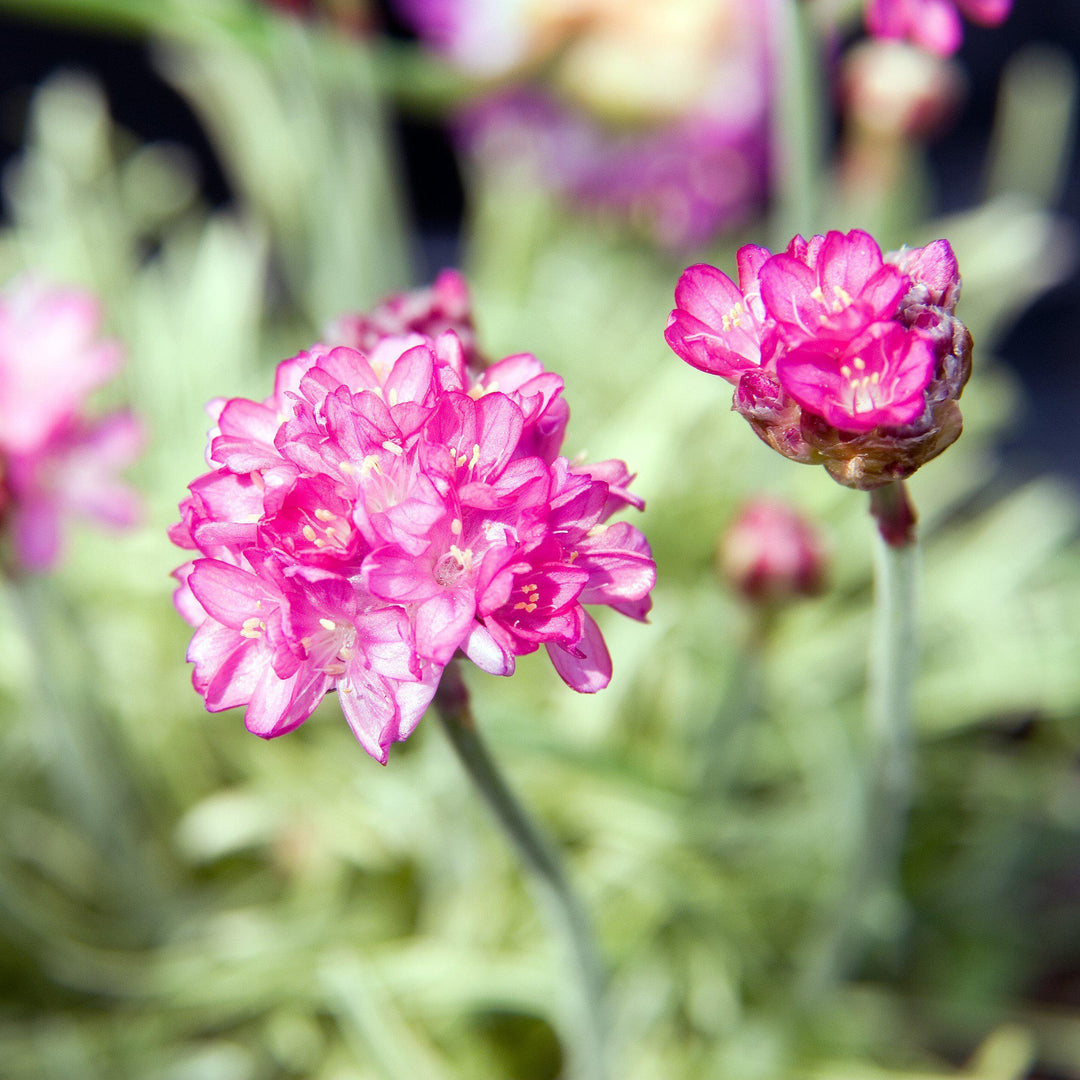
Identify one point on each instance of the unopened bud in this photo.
(899, 90)
(772, 555)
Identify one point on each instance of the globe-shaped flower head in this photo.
(385, 509)
(840, 356)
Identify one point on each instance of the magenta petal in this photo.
(37, 534)
(443, 623)
(616, 576)
(228, 593)
(787, 290)
(587, 666)
(371, 711)
(234, 665)
(486, 653)
(398, 579)
(848, 260)
(937, 27)
(987, 12)
(278, 706)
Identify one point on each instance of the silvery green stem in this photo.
(887, 774)
(798, 142)
(742, 706)
(588, 1015)
(893, 664)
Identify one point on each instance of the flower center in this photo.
(863, 387)
(327, 529)
(733, 317)
(452, 565)
(531, 593)
(841, 298)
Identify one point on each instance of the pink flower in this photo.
(933, 24)
(830, 339)
(55, 462)
(388, 508)
(877, 380)
(772, 554)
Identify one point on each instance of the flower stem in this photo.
(798, 143)
(887, 776)
(742, 707)
(588, 1014)
(893, 663)
(891, 679)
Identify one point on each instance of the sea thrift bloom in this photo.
(387, 508)
(772, 554)
(839, 355)
(933, 24)
(55, 462)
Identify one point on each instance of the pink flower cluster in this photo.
(933, 24)
(55, 462)
(839, 355)
(385, 508)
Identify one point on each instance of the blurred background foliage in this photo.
(181, 901)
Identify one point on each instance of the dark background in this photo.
(1042, 347)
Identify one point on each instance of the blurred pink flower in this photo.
(385, 509)
(830, 340)
(772, 554)
(933, 24)
(54, 461)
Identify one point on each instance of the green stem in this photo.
(452, 706)
(743, 704)
(887, 776)
(798, 144)
(893, 665)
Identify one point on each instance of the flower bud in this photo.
(771, 554)
(899, 91)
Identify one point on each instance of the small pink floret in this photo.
(387, 508)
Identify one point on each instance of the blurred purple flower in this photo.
(656, 113)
